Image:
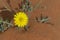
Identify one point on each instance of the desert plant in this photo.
(4, 25)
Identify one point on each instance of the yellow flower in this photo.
(21, 19)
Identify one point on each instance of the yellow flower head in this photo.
(21, 19)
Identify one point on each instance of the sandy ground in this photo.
(37, 31)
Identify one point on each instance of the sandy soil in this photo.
(37, 31)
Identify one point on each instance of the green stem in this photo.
(8, 23)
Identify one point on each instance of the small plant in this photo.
(4, 25)
(25, 6)
(43, 19)
(20, 17)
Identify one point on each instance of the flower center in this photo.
(21, 19)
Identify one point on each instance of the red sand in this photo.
(38, 31)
